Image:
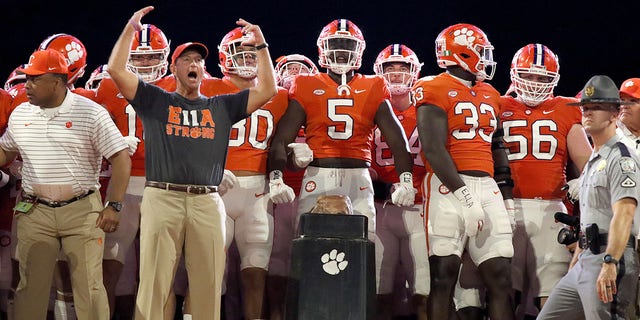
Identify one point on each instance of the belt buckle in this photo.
(194, 188)
(54, 204)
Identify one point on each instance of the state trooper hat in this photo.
(599, 89)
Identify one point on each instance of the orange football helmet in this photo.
(537, 61)
(96, 76)
(340, 46)
(398, 82)
(72, 49)
(149, 54)
(15, 78)
(467, 46)
(236, 58)
(291, 65)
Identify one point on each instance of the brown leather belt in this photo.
(193, 189)
(55, 204)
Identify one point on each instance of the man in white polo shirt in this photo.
(62, 137)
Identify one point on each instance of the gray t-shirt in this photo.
(610, 175)
(186, 140)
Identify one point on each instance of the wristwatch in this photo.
(609, 259)
(117, 206)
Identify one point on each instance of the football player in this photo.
(457, 114)
(244, 187)
(541, 133)
(339, 110)
(401, 230)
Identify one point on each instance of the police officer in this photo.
(603, 281)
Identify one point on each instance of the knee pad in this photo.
(255, 258)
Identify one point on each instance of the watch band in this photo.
(609, 259)
(262, 46)
(117, 206)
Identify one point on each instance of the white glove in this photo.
(511, 210)
(471, 211)
(229, 181)
(403, 193)
(573, 192)
(279, 192)
(132, 142)
(302, 154)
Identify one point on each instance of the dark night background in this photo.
(590, 37)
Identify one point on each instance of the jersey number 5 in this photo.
(343, 130)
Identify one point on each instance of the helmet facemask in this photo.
(290, 69)
(242, 60)
(533, 85)
(485, 65)
(342, 53)
(150, 65)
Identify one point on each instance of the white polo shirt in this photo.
(64, 148)
(628, 138)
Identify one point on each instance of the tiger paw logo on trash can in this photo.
(333, 262)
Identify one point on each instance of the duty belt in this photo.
(603, 239)
(193, 189)
(55, 204)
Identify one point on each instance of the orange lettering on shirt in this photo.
(195, 132)
(207, 119)
(174, 114)
(208, 133)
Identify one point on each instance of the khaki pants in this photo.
(169, 221)
(41, 232)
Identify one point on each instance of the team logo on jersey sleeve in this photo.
(318, 92)
(453, 93)
(443, 190)
(507, 114)
(310, 186)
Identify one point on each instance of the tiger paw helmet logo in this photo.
(463, 37)
(74, 52)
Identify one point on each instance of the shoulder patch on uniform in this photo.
(628, 183)
(627, 165)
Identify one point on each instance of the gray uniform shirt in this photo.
(610, 175)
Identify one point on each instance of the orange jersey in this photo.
(87, 93)
(472, 117)
(5, 110)
(339, 126)
(125, 117)
(250, 138)
(19, 94)
(537, 142)
(383, 162)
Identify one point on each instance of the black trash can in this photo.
(332, 269)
